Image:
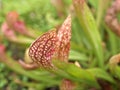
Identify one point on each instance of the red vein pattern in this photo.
(63, 43)
(43, 48)
(52, 45)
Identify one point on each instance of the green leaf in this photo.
(99, 73)
(94, 3)
(79, 75)
(74, 55)
(117, 72)
(89, 26)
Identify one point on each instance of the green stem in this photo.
(112, 41)
(103, 4)
(100, 11)
(15, 66)
(89, 26)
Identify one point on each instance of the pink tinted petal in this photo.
(7, 31)
(2, 49)
(15, 24)
(20, 27)
(63, 43)
(42, 50)
(64, 32)
(12, 17)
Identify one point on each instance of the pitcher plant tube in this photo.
(54, 44)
